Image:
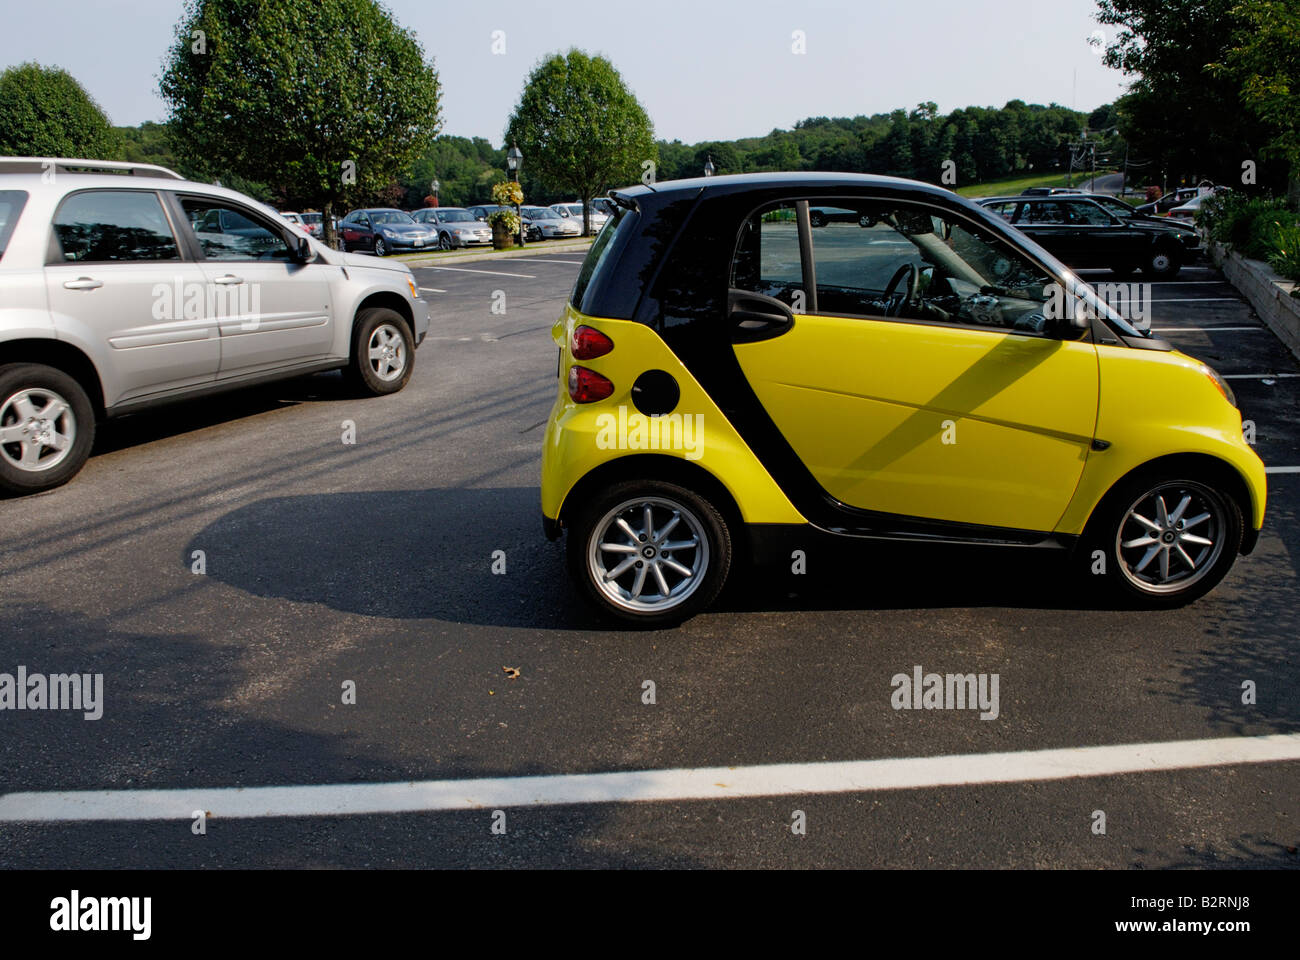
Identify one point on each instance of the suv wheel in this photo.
(1167, 539)
(1163, 262)
(649, 552)
(383, 352)
(47, 427)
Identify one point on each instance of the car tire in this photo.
(701, 546)
(1141, 564)
(383, 352)
(1164, 262)
(445, 242)
(26, 392)
(381, 248)
(816, 219)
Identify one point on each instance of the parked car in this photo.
(1167, 202)
(1188, 211)
(118, 293)
(1048, 191)
(294, 218)
(1084, 234)
(550, 224)
(732, 384)
(597, 217)
(455, 226)
(820, 216)
(384, 230)
(313, 223)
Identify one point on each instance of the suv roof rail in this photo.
(68, 165)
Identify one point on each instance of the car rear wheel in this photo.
(649, 552)
(1166, 538)
(816, 219)
(1163, 262)
(383, 352)
(381, 248)
(47, 427)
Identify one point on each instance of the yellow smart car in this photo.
(755, 365)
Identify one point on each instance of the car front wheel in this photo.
(381, 248)
(649, 552)
(383, 352)
(47, 427)
(1163, 262)
(1165, 539)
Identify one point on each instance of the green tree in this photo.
(45, 112)
(580, 128)
(325, 101)
(1265, 61)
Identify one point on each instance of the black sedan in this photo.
(383, 230)
(1084, 234)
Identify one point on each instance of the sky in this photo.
(704, 70)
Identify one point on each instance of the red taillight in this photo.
(589, 343)
(588, 386)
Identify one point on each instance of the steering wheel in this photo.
(897, 301)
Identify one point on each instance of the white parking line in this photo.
(1258, 376)
(1182, 283)
(567, 263)
(1282, 469)
(493, 273)
(1202, 329)
(1200, 300)
(431, 290)
(705, 783)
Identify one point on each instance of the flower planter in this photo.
(502, 237)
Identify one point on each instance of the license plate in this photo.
(419, 243)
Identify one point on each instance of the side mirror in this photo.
(302, 251)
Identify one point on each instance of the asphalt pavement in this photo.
(328, 566)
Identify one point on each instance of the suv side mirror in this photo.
(301, 249)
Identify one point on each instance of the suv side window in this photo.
(225, 232)
(97, 226)
(767, 258)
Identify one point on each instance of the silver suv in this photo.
(124, 285)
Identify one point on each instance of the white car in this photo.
(574, 209)
(550, 223)
(123, 286)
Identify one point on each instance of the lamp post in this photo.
(434, 187)
(709, 168)
(515, 164)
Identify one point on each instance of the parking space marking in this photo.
(703, 783)
(567, 263)
(1202, 329)
(1200, 300)
(1282, 469)
(431, 290)
(488, 273)
(1257, 376)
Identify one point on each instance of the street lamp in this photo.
(709, 168)
(434, 187)
(515, 164)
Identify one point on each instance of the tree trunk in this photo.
(327, 225)
(586, 216)
(1293, 189)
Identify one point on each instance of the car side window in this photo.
(1046, 212)
(225, 232)
(1089, 214)
(884, 259)
(109, 225)
(767, 258)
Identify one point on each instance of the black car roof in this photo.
(731, 183)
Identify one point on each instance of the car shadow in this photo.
(187, 416)
(478, 556)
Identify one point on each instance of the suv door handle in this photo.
(228, 279)
(83, 283)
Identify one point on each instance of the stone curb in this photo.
(1268, 294)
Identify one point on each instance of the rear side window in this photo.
(768, 259)
(598, 256)
(107, 225)
(11, 205)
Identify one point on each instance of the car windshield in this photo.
(540, 213)
(455, 216)
(11, 204)
(389, 216)
(311, 218)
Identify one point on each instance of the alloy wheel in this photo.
(37, 429)
(1171, 537)
(648, 555)
(387, 352)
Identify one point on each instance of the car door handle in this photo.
(228, 279)
(83, 283)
